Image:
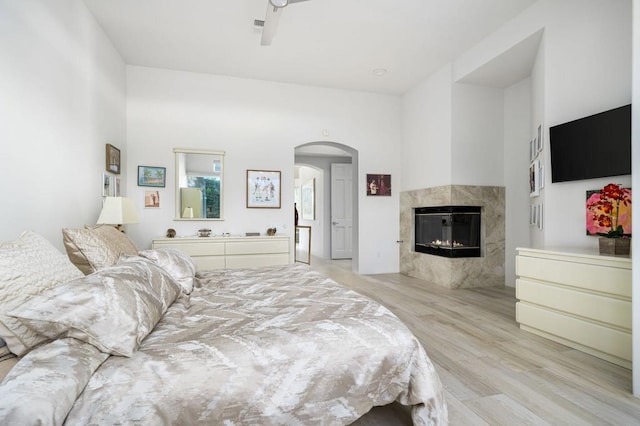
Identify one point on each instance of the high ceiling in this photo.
(327, 43)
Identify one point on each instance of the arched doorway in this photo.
(319, 156)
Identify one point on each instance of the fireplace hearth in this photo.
(448, 231)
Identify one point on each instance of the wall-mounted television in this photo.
(592, 147)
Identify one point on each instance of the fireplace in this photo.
(448, 231)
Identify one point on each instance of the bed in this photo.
(146, 340)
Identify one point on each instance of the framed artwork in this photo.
(116, 186)
(534, 179)
(152, 176)
(263, 189)
(106, 185)
(152, 199)
(309, 200)
(378, 185)
(113, 159)
(603, 214)
(539, 144)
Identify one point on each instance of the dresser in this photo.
(582, 300)
(231, 252)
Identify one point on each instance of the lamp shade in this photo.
(118, 211)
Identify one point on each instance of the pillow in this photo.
(177, 263)
(113, 309)
(28, 266)
(94, 248)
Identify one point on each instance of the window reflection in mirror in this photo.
(199, 184)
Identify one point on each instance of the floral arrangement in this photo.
(610, 211)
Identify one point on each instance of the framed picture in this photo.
(152, 199)
(106, 185)
(534, 179)
(539, 144)
(116, 186)
(532, 150)
(113, 159)
(309, 200)
(152, 176)
(378, 185)
(263, 189)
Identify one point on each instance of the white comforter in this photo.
(270, 346)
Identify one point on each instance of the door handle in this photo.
(334, 223)
(399, 241)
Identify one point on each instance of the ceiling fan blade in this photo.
(270, 24)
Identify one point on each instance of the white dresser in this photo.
(578, 299)
(231, 252)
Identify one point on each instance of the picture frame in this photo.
(532, 149)
(539, 144)
(263, 189)
(540, 216)
(113, 159)
(309, 200)
(151, 199)
(106, 185)
(378, 185)
(116, 186)
(152, 176)
(534, 178)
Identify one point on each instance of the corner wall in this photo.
(63, 98)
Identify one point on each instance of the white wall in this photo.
(63, 98)
(426, 133)
(477, 135)
(517, 133)
(258, 124)
(635, 134)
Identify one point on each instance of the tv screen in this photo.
(592, 147)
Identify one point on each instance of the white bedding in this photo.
(279, 345)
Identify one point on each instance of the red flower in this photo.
(607, 208)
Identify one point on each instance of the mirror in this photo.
(199, 184)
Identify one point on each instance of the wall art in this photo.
(152, 176)
(378, 185)
(113, 159)
(263, 189)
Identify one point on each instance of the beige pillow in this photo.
(28, 266)
(94, 248)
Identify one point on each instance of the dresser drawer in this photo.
(197, 248)
(608, 310)
(610, 280)
(257, 247)
(585, 333)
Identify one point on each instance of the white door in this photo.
(341, 211)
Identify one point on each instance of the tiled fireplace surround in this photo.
(484, 271)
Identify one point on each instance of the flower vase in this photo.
(615, 245)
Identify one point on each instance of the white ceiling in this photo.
(327, 43)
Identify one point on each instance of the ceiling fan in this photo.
(270, 22)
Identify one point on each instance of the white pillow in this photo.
(28, 266)
(113, 309)
(179, 264)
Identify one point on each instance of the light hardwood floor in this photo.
(493, 372)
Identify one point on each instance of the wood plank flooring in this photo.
(493, 372)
